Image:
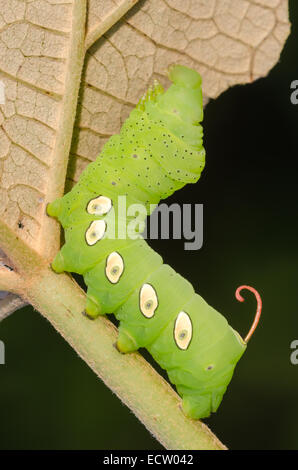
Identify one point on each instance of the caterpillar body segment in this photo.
(158, 150)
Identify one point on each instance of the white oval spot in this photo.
(148, 300)
(95, 231)
(183, 330)
(101, 205)
(114, 267)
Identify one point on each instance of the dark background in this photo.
(50, 399)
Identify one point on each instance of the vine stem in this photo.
(10, 304)
(9, 280)
(59, 299)
(49, 237)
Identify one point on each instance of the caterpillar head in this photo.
(183, 98)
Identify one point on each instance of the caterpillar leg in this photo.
(93, 308)
(58, 265)
(200, 406)
(63, 260)
(126, 343)
(197, 407)
(54, 208)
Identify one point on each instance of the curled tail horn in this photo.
(258, 312)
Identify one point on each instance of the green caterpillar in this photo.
(158, 151)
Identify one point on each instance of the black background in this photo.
(50, 399)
